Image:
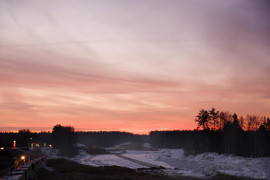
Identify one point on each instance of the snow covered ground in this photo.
(175, 163)
(209, 164)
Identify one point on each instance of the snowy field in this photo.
(175, 163)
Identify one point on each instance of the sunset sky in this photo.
(131, 65)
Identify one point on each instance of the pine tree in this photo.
(203, 119)
(214, 115)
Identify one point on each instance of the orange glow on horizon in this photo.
(130, 130)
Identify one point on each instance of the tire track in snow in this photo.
(127, 162)
(89, 159)
(150, 156)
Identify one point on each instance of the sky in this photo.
(131, 65)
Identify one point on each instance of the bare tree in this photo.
(224, 117)
(252, 122)
(242, 122)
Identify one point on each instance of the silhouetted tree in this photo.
(23, 139)
(253, 122)
(203, 119)
(261, 141)
(64, 138)
(232, 136)
(214, 115)
(224, 117)
(266, 123)
(235, 120)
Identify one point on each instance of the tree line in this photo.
(24, 138)
(65, 138)
(220, 132)
(214, 120)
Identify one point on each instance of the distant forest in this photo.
(65, 138)
(220, 132)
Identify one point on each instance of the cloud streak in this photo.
(131, 65)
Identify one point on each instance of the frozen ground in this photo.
(175, 163)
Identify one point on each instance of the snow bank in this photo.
(209, 164)
(80, 145)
